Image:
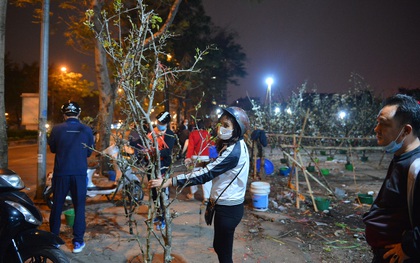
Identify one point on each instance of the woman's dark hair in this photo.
(236, 134)
(200, 125)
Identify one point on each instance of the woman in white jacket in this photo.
(231, 167)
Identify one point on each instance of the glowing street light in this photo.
(63, 69)
(343, 117)
(269, 81)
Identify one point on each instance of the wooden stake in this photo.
(255, 159)
(305, 171)
(296, 174)
(309, 185)
(295, 155)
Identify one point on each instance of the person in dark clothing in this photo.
(183, 134)
(259, 136)
(259, 140)
(393, 221)
(72, 143)
(165, 139)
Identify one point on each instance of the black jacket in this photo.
(388, 221)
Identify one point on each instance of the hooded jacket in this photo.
(233, 161)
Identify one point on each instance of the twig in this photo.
(287, 233)
(274, 239)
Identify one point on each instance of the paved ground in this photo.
(108, 238)
(261, 236)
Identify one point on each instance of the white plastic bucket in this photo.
(259, 192)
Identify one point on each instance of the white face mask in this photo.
(394, 146)
(224, 134)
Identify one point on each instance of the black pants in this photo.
(77, 185)
(226, 219)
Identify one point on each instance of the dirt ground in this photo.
(283, 233)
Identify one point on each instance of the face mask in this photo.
(394, 146)
(161, 127)
(224, 134)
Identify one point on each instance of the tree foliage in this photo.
(349, 114)
(63, 86)
(138, 54)
(193, 29)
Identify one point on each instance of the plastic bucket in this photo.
(349, 167)
(364, 159)
(310, 169)
(69, 214)
(325, 171)
(259, 192)
(365, 198)
(285, 171)
(268, 166)
(322, 203)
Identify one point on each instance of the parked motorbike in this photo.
(21, 240)
(129, 183)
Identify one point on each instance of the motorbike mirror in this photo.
(11, 181)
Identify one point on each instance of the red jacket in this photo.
(199, 142)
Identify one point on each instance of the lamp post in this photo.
(43, 101)
(269, 82)
(343, 116)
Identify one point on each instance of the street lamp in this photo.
(343, 117)
(269, 82)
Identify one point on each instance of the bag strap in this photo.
(229, 183)
(411, 181)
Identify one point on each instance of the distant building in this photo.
(30, 110)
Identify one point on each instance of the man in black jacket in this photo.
(393, 222)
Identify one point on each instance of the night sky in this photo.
(323, 42)
(293, 41)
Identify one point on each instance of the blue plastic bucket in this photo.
(285, 171)
(268, 166)
(259, 192)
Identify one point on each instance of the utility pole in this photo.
(43, 101)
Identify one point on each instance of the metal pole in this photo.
(269, 97)
(43, 101)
